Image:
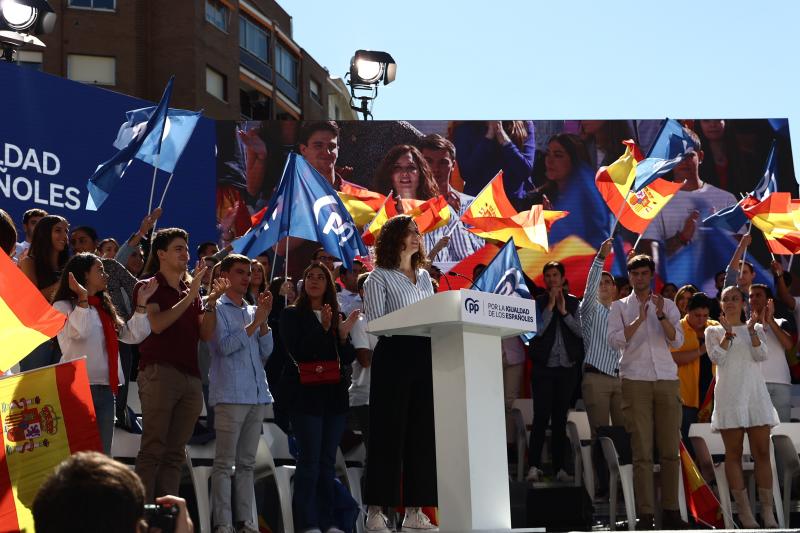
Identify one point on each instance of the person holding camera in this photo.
(92, 493)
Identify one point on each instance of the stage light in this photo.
(367, 70)
(18, 17)
(21, 21)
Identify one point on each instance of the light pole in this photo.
(367, 70)
(20, 21)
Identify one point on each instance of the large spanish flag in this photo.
(778, 216)
(614, 183)
(26, 319)
(361, 203)
(47, 415)
(490, 202)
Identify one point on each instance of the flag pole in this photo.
(286, 271)
(791, 259)
(163, 194)
(153, 185)
(619, 213)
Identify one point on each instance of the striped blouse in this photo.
(387, 290)
(594, 323)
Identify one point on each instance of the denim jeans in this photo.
(781, 396)
(317, 437)
(103, 400)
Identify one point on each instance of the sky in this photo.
(568, 59)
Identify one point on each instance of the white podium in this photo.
(465, 328)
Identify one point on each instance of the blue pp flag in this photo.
(671, 145)
(732, 218)
(109, 173)
(173, 138)
(504, 276)
(306, 206)
(768, 184)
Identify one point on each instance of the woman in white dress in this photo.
(741, 402)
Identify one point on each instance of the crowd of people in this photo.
(234, 333)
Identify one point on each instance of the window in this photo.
(315, 90)
(286, 64)
(254, 105)
(26, 58)
(254, 38)
(110, 5)
(217, 14)
(98, 70)
(216, 84)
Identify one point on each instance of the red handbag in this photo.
(319, 372)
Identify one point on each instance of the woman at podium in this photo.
(402, 448)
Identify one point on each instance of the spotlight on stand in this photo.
(21, 21)
(367, 70)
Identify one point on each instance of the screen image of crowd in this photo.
(647, 332)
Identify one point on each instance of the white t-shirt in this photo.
(669, 221)
(775, 369)
(349, 301)
(359, 388)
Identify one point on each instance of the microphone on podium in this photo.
(456, 274)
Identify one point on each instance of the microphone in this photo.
(449, 287)
(456, 274)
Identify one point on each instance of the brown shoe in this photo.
(645, 523)
(672, 520)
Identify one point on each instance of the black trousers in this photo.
(552, 390)
(402, 445)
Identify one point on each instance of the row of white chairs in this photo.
(273, 459)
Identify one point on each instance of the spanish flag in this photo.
(47, 415)
(387, 211)
(431, 214)
(490, 202)
(361, 203)
(700, 500)
(528, 228)
(614, 183)
(778, 217)
(26, 319)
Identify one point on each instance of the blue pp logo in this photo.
(471, 306)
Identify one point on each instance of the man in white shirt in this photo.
(349, 298)
(676, 224)
(643, 327)
(775, 368)
(29, 220)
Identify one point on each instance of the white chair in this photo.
(200, 461)
(134, 402)
(125, 446)
(284, 468)
(624, 473)
(785, 461)
(265, 466)
(352, 479)
(707, 443)
(795, 416)
(580, 435)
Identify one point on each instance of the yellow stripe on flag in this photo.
(361, 212)
(32, 400)
(15, 337)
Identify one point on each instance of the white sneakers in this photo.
(535, 475)
(564, 477)
(416, 520)
(376, 521)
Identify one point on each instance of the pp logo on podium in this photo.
(472, 306)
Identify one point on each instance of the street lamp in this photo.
(367, 70)
(20, 21)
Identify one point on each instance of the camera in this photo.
(161, 517)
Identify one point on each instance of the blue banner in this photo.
(55, 132)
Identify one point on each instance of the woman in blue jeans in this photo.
(312, 330)
(94, 329)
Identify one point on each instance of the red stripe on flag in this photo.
(77, 408)
(8, 510)
(25, 301)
